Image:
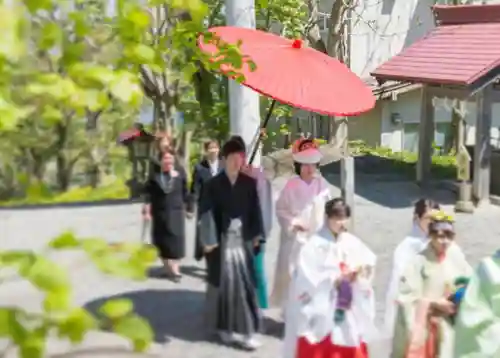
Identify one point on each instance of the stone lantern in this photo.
(139, 144)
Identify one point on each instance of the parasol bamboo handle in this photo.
(264, 125)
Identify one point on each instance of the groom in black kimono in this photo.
(230, 214)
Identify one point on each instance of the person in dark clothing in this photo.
(230, 215)
(166, 200)
(206, 169)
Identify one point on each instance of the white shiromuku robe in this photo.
(298, 203)
(310, 322)
(477, 327)
(426, 278)
(264, 191)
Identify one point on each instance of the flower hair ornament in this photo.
(441, 221)
(304, 143)
(306, 151)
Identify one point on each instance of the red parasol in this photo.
(295, 74)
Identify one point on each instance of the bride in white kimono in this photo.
(404, 253)
(331, 308)
(477, 327)
(300, 213)
(424, 322)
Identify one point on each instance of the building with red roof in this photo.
(457, 67)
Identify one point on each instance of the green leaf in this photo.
(17, 331)
(80, 26)
(126, 88)
(51, 115)
(57, 301)
(141, 54)
(66, 240)
(72, 53)
(121, 267)
(47, 275)
(10, 114)
(137, 330)
(117, 308)
(76, 325)
(94, 246)
(33, 346)
(35, 5)
(51, 35)
(139, 18)
(147, 254)
(16, 258)
(11, 46)
(7, 316)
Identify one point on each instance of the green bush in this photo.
(38, 194)
(404, 162)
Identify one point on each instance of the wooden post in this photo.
(464, 201)
(482, 150)
(425, 137)
(347, 171)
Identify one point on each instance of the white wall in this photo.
(408, 107)
(382, 28)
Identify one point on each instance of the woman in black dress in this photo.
(166, 200)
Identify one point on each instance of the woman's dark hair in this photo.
(423, 205)
(337, 208)
(239, 139)
(208, 143)
(232, 146)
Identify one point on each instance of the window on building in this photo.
(411, 131)
(441, 133)
(410, 137)
(323, 21)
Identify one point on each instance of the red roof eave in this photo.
(384, 77)
(461, 50)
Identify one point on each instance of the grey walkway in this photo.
(383, 217)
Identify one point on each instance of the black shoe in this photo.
(176, 278)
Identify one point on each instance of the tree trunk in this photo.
(94, 172)
(63, 174)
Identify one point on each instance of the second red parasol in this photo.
(297, 75)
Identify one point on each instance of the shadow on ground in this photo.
(273, 328)
(375, 177)
(171, 313)
(158, 272)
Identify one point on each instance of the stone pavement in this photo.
(383, 216)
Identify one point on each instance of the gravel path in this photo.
(383, 216)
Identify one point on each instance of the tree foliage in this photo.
(71, 75)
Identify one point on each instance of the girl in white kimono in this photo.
(425, 315)
(330, 311)
(477, 327)
(300, 213)
(404, 253)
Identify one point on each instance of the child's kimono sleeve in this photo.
(408, 303)
(477, 326)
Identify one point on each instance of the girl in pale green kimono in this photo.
(477, 327)
(424, 327)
